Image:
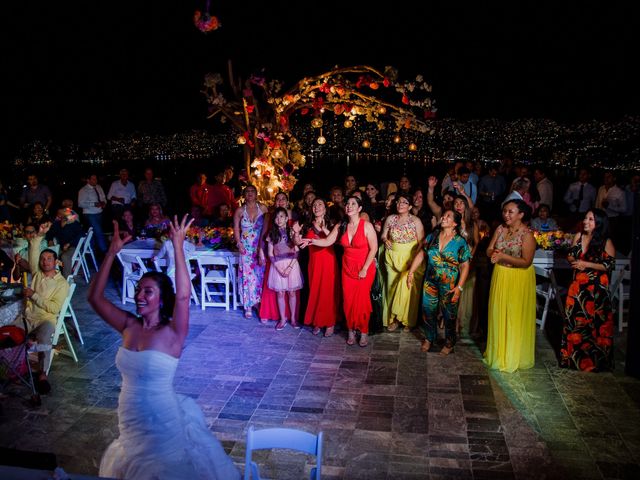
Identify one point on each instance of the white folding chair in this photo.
(214, 273)
(70, 313)
(77, 260)
(61, 328)
(160, 264)
(622, 290)
(132, 270)
(88, 250)
(287, 438)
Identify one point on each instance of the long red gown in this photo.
(324, 285)
(356, 292)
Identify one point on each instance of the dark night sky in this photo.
(84, 72)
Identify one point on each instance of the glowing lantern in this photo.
(348, 124)
(397, 139)
(277, 153)
(382, 110)
(316, 122)
(366, 144)
(241, 140)
(413, 147)
(321, 140)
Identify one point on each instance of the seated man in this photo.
(44, 300)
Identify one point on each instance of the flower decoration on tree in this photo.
(261, 113)
(205, 22)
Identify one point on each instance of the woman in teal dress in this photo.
(448, 256)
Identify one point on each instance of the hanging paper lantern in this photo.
(413, 147)
(321, 140)
(316, 122)
(348, 124)
(382, 110)
(397, 139)
(366, 144)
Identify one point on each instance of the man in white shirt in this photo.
(470, 188)
(544, 186)
(92, 200)
(122, 194)
(611, 198)
(581, 195)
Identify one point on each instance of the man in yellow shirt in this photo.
(44, 300)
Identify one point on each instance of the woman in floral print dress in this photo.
(248, 222)
(587, 337)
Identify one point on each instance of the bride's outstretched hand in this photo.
(178, 230)
(117, 242)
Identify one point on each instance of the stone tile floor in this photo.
(387, 410)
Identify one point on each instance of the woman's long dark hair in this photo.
(468, 220)
(274, 231)
(327, 218)
(600, 233)
(436, 231)
(167, 296)
(345, 220)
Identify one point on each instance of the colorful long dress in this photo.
(356, 292)
(401, 301)
(324, 284)
(442, 273)
(251, 272)
(511, 336)
(587, 337)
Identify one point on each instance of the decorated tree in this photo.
(261, 114)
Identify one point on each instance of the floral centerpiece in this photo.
(213, 238)
(9, 231)
(555, 240)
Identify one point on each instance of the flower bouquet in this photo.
(213, 238)
(9, 231)
(555, 240)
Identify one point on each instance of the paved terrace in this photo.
(387, 410)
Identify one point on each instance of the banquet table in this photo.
(149, 247)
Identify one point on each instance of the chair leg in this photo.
(75, 324)
(72, 351)
(93, 258)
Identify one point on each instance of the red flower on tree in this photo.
(586, 364)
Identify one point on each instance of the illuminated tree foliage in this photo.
(261, 113)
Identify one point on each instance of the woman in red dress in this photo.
(360, 243)
(324, 286)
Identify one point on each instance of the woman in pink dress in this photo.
(360, 243)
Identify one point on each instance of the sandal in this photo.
(426, 346)
(406, 329)
(295, 325)
(328, 332)
(446, 350)
(352, 338)
(264, 321)
(364, 340)
(316, 331)
(248, 314)
(281, 325)
(393, 327)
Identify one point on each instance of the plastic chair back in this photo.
(287, 438)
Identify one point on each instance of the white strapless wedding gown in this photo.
(163, 435)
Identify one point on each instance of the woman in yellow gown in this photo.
(402, 237)
(512, 299)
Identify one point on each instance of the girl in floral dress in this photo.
(587, 337)
(248, 222)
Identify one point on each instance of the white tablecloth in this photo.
(9, 312)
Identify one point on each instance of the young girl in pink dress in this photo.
(285, 275)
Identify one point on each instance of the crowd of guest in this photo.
(403, 255)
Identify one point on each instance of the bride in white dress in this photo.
(163, 435)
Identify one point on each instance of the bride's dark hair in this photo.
(167, 295)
